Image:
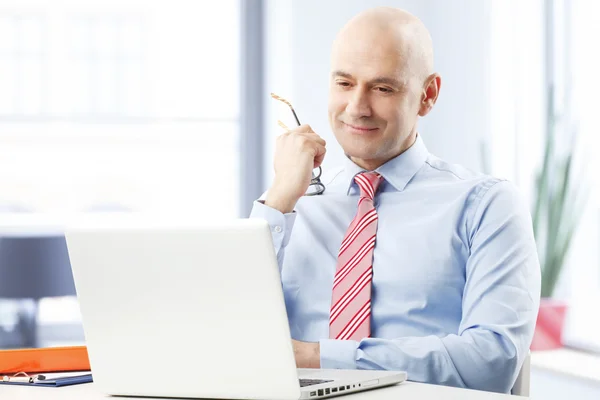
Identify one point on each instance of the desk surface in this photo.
(404, 391)
(569, 362)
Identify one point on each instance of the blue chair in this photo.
(34, 267)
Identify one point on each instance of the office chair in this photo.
(521, 386)
(34, 267)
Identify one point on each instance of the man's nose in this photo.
(358, 105)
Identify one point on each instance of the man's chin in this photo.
(360, 155)
(362, 149)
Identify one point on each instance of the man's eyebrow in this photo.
(342, 74)
(379, 80)
(386, 81)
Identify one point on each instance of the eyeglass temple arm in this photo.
(296, 117)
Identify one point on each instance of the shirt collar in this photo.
(397, 172)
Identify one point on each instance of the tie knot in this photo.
(368, 182)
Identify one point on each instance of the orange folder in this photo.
(49, 359)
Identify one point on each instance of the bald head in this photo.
(390, 32)
(381, 82)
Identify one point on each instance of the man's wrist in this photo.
(307, 354)
(284, 204)
(315, 357)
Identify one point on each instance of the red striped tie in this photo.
(349, 318)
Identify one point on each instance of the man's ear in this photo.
(430, 93)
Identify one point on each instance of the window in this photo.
(520, 72)
(118, 104)
(583, 64)
(109, 65)
(22, 64)
(581, 28)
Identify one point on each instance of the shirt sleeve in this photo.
(500, 305)
(281, 226)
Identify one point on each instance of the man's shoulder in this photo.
(436, 165)
(484, 195)
(478, 184)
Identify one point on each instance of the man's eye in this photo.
(384, 90)
(345, 84)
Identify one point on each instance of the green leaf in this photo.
(558, 204)
(543, 175)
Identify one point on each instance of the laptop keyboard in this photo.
(309, 382)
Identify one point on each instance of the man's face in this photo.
(374, 99)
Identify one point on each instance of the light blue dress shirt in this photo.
(456, 277)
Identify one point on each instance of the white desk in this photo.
(565, 373)
(403, 391)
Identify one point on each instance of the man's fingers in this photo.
(320, 150)
(307, 134)
(305, 138)
(302, 130)
(314, 137)
(320, 155)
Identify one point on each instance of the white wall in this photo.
(298, 40)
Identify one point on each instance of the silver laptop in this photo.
(179, 309)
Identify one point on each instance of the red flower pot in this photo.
(549, 325)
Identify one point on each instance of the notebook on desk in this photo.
(48, 359)
(201, 304)
(47, 380)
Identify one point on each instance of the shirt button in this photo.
(277, 229)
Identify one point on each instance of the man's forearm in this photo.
(482, 361)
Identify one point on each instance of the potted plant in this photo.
(556, 213)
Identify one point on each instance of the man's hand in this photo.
(297, 153)
(308, 355)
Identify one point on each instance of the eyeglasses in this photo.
(23, 377)
(315, 187)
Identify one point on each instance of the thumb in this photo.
(319, 157)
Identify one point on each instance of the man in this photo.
(405, 262)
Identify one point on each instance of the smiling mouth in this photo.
(360, 128)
